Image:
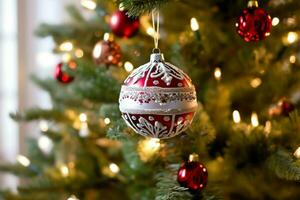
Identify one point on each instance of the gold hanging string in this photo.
(155, 19)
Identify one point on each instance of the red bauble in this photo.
(254, 24)
(107, 52)
(62, 76)
(192, 175)
(283, 107)
(158, 99)
(122, 25)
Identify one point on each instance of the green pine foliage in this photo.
(243, 161)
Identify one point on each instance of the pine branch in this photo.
(284, 166)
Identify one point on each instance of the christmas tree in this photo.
(243, 141)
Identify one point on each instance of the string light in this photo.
(297, 153)
(66, 57)
(106, 36)
(218, 73)
(194, 24)
(72, 197)
(89, 4)
(254, 119)
(255, 82)
(268, 127)
(84, 130)
(292, 37)
(23, 160)
(150, 31)
(79, 53)
(64, 170)
(82, 117)
(128, 66)
(45, 144)
(43, 126)
(236, 116)
(66, 46)
(275, 21)
(114, 168)
(148, 147)
(107, 121)
(292, 59)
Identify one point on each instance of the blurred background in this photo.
(23, 54)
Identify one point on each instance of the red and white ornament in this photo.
(61, 75)
(157, 99)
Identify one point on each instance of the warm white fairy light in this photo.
(292, 37)
(45, 144)
(114, 168)
(107, 121)
(84, 130)
(72, 197)
(218, 73)
(23, 160)
(66, 46)
(254, 119)
(64, 170)
(128, 66)
(194, 24)
(89, 4)
(255, 82)
(121, 7)
(275, 21)
(236, 116)
(66, 57)
(106, 36)
(292, 59)
(150, 31)
(43, 126)
(82, 117)
(268, 127)
(97, 50)
(79, 53)
(148, 147)
(297, 153)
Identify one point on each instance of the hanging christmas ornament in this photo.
(122, 25)
(60, 73)
(254, 23)
(192, 174)
(283, 107)
(107, 52)
(158, 99)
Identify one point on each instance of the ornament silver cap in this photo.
(157, 57)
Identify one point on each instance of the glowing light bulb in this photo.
(107, 121)
(82, 117)
(23, 160)
(72, 197)
(218, 73)
(297, 153)
(292, 59)
(45, 144)
(275, 21)
(79, 53)
(66, 57)
(64, 170)
(150, 31)
(114, 168)
(66, 46)
(292, 37)
(268, 127)
(255, 82)
(43, 126)
(89, 4)
(236, 116)
(106, 36)
(148, 148)
(194, 24)
(128, 66)
(254, 120)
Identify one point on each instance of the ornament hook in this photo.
(155, 25)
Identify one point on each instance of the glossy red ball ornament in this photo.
(192, 175)
(286, 107)
(254, 24)
(157, 99)
(60, 73)
(122, 25)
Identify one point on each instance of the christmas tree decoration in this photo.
(107, 52)
(122, 25)
(283, 107)
(63, 76)
(157, 99)
(193, 174)
(254, 24)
